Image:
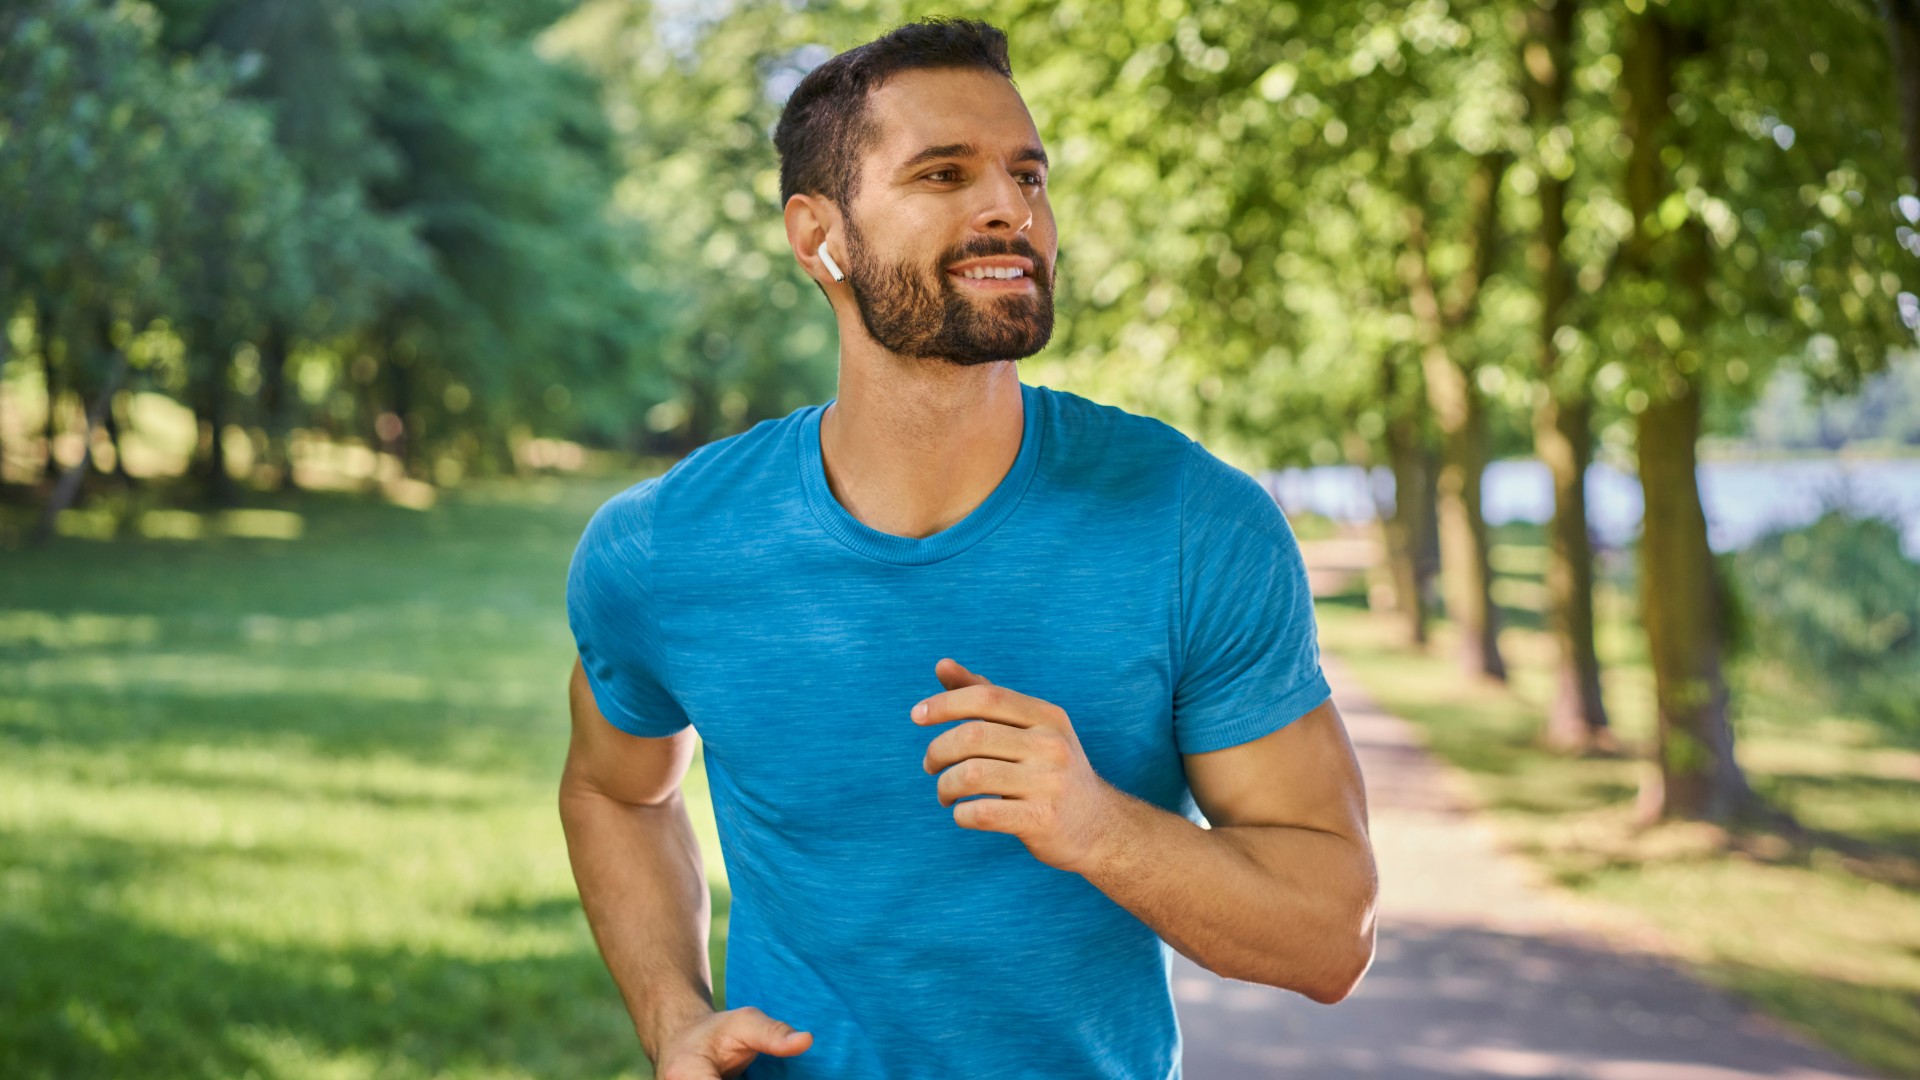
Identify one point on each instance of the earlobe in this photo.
(832, 267)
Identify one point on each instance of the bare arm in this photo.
(1281, 890)
(642, 881)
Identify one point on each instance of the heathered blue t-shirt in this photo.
(1119, 571)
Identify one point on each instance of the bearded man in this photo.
(1004, 694)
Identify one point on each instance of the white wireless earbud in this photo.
(832, 267)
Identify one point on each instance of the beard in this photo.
(919, 311)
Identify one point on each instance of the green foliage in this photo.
(1837, 602)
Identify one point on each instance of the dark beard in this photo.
(920, 313)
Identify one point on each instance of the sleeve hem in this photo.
(1285, 710)
(622, 719)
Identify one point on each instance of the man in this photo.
(968, 658)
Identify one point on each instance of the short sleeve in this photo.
(1251, 654)
(610, 608)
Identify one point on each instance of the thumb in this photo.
(781, 1039)
(953, 674)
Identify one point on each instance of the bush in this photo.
(1838, 604)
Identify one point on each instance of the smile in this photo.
(993, 279)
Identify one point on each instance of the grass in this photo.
(277, 799)
(280, 802)
(1824, 936)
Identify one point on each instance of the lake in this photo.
(1743, 499)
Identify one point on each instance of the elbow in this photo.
(1348, 977)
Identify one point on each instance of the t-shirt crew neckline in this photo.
(948, 542)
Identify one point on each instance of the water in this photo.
(1742, 499)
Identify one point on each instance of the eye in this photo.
(935, 175)
(1038, 180)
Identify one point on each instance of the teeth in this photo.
(992, 272)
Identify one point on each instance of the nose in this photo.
(1005, 210)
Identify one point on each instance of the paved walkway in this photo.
(1480, 968)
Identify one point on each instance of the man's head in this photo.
(914, 160)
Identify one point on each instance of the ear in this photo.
(813, 221)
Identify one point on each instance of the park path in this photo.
(1480, 968)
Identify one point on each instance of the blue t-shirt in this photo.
(1119, 571)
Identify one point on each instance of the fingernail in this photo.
(920, 711)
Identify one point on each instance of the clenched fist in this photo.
(721, 1046)
(1023, 749)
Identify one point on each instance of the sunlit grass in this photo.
(1830, 947)
(279, 800)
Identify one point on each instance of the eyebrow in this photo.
(964, 149)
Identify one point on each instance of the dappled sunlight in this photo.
(75, 629)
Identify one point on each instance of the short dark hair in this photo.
(826, 124)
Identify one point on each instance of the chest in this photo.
(799, 671)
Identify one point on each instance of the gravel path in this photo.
(1481, 968)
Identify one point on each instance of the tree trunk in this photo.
(6, 353)
(275, 401)
(1903, 34)
(112, 422)
(1466, 572)
(49, 466)
(68, 487)
(1458, 409)
(1576, 718)
(1695, 774)
(1404, 526)
(210, 406)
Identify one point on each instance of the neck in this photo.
(912, 446)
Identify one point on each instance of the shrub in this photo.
(1837, 603)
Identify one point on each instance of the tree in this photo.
(1562, 424)
(1751, 238)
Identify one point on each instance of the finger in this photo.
(991, 815)
(986, 702)
(953, 674)
(976, 739)
(762, 1036)
(982, 776)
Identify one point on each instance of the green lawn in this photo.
(279, 801)
(1824, 937)
(284, 807)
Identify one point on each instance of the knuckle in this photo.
(1053, 747)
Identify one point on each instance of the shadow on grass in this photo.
(89, 990)
(340, 725)
(92, 993)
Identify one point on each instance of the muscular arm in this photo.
(1281, 890)
(642, 881)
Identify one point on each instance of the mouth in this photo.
(999, 275)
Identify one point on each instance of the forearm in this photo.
(643, 885)
(1286, 907)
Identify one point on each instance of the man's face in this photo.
(954, 182)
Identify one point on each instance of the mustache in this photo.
(986, 247)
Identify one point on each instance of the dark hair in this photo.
(826, 125)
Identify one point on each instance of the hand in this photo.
(1024, 750)
(724, 1044)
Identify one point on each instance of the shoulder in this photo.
(1214, 489)
(721, 469)
(1087, 419)
(1129, 456)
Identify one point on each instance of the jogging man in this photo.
(970, 659)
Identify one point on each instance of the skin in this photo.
(1279, 889)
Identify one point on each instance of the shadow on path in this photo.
(1478, 971)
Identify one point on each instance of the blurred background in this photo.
(1576, 338)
